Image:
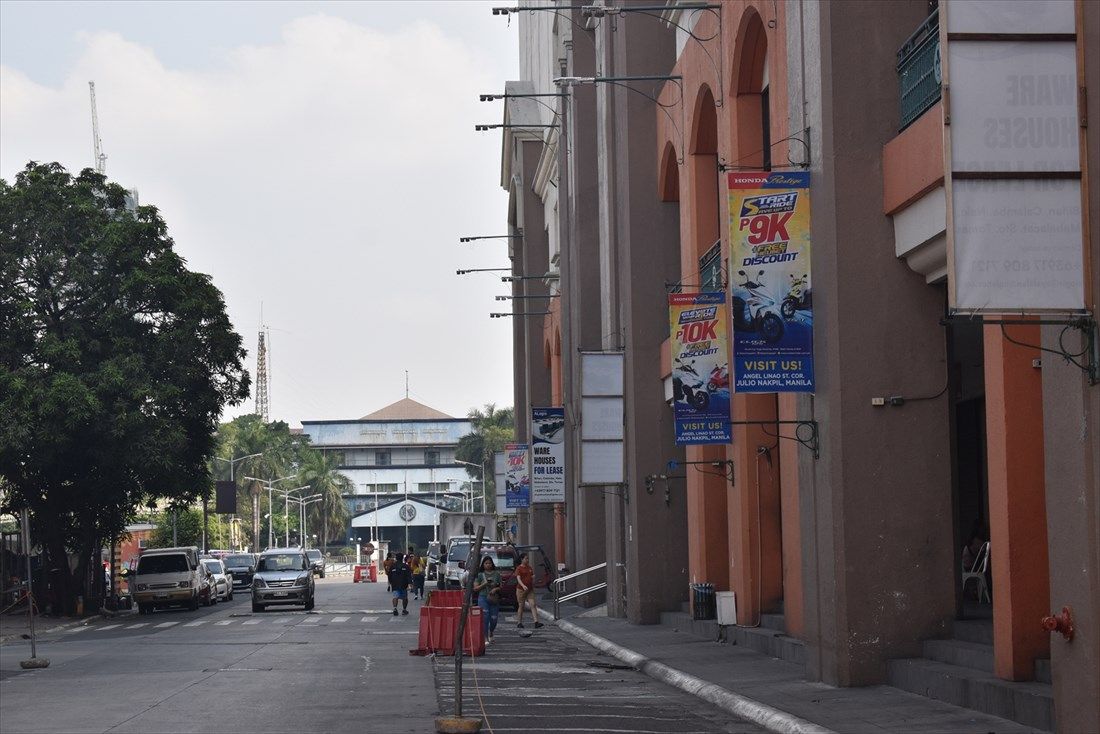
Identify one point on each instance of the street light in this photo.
(232, 465)
(481, 467)
(286, 511)
(270, 483)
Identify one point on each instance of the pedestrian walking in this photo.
(400, 578)
(525, 590)
(487, 584)
(416, 566)
(386, 566)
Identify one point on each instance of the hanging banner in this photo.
(700, 367)
(547, 454)
(517, 482)
(773, 322)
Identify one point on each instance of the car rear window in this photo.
(314, 555)
(239, 560)
(168, 563)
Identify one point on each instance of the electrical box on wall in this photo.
(727, 608)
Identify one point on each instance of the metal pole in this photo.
(25, 521)
(459, 639)
(303, 539)
(286, 518)
(270, 511)
(175, 515)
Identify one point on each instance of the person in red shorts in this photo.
(525, 590)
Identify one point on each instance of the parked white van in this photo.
(167, 577)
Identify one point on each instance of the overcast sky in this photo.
(319, 158)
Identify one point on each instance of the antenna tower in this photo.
(97, 144)
(263, 397)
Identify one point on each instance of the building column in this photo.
(755, 532)
(1017, 501)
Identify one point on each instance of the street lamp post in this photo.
(481, 468)
(270, 484)
(255, 511)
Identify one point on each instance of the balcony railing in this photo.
(919, 70)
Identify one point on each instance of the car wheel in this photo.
(257, 608)
(194, 605)
(310, 603)
(230, 597)
(322, 574)
(142, 609)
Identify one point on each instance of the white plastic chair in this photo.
(977, 572)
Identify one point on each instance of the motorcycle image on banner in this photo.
(700, 367)
(773, 344)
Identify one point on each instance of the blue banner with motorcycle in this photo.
(700, 367)
(773, 320)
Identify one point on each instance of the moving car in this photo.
(166, 577)
(219, 579)
(317, 561)
(283, 576)
(240, 567)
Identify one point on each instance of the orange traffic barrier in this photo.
(439, 627)
(360, 570)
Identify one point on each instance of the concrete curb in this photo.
(768, 717)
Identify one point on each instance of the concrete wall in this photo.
(878, 547)
(1071, 424)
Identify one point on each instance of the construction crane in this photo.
(97, 144)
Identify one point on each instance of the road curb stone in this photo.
(768, 717)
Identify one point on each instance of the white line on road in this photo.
(109, 627)
(311, 620)
(338, 620)
(135, 626)
(224, 622)
(166, 624)
(74, 630)
(196, 623)
(252, 621)
(369, 619)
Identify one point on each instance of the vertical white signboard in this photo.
(602, 418)
(548, 454)
(1012, 134)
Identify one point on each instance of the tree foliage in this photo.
(115, 361)
(282, 454)
(492, 428)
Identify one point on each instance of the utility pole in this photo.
(263, 406)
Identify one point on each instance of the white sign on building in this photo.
(547, 455)
(1012, 141)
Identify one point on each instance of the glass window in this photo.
(710, 269)
(431, 457)
(169, 563)
(382, 458)
(281, 562)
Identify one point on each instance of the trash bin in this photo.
(703, 601)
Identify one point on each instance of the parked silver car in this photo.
(283, 576)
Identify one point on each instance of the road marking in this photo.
(166, 624)
(135, 626)
(252, 621)
(224, 622)
(109, 627)
(311, 620)
(196, 623)
(74, 630)
(369, 619)
(338, 620)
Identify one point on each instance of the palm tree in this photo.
(319, 470)
(492, 429)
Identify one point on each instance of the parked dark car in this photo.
(317, 561)
(507, 558)
(240, 567)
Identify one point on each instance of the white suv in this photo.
(167, 577)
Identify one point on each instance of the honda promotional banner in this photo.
(773, 320)
(517, 482)
(700, 367)
(548, 454)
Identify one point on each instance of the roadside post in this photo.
(458, 724)
(35, 661)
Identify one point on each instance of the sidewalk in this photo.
(14, 626)
(770, 692)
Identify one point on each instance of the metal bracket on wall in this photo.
(725, 465)
(805, 432)
(1087, 325)
(666, 478)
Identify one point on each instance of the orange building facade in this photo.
(859, 548)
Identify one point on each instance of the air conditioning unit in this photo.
(727, 608)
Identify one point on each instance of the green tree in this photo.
(492, 429)
(188, 528)
(329, 516)
(115, 363)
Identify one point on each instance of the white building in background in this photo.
(401, 457)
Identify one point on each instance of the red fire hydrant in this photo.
(1062, 623)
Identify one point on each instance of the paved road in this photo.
(552, 682)
(345, 668)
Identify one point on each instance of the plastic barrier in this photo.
(445, 598)
(360, 571)
(439, 626)
(373, 573)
